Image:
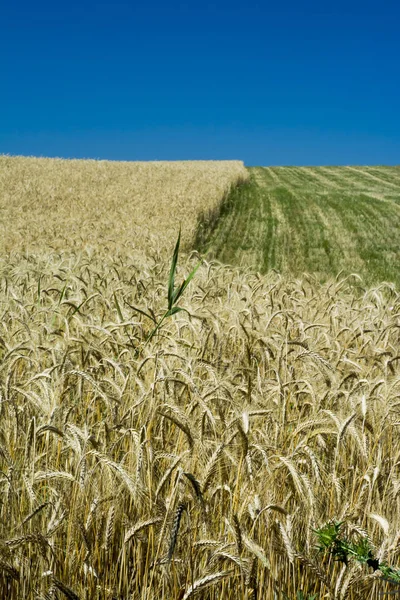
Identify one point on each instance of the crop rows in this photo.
(321, 220)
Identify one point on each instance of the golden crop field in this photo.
(80, 204)
(196, 461)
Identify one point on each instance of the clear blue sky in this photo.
(289, 82)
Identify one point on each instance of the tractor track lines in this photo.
(374, 177)
(321, 220)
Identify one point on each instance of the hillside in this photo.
(320, 220)
(55, 204)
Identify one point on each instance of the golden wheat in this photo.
(83, 204)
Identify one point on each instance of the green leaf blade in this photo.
(171, 280)
(179, 291)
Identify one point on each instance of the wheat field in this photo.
(56, 204)
(194, 463)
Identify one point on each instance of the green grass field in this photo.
(319, 220)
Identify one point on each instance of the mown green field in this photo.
(319, 220)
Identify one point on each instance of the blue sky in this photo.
(265, 82)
